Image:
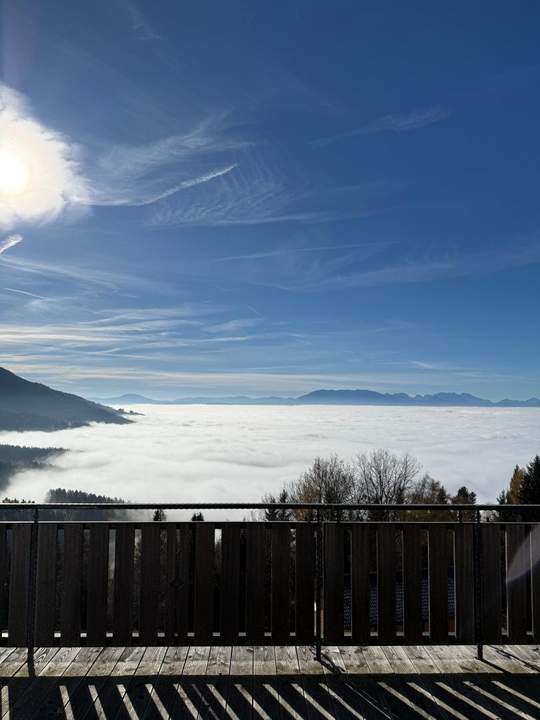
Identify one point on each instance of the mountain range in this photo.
(334, 397)
(26, 405)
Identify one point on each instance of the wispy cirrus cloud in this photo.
(396, 123)
(257, 192)
(9, 242)
(60, 181)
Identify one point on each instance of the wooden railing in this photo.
(269, 583)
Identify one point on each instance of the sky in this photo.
(269, 198)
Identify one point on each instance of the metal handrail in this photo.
(268, 506)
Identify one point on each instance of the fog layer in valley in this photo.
(238, 453)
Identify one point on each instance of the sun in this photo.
(14, 173)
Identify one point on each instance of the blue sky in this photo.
(271, 197)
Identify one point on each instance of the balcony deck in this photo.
(429, 682)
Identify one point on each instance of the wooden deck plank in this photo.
(219, 660)
(398, 659)
(12, 661)
(242, 660)
(164, 700)
(421, 660)
(264, 660)
(307, 662)
(196, 660)
(377, 661)
(108, 696)
(32, 698)
(140, 689)
(354, 660)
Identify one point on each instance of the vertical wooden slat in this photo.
(535, 580)
(18, 586)
(70, 613)
(464, 573)
(183, 588)
(98, 559)
(256, 590)
(412, 583)
(333, 615)
(305, 583)
(150, 571)
(386, 582)
(171, 591)
(360, 557)
(491, 582)
(518, 570)
(124, 569)
(46, 584)
(230, 584)
(438, 583)
(4, 578)
(281, 565)
(204, 583)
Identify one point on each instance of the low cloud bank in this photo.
(236, 454)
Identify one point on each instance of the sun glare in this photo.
(14, 173)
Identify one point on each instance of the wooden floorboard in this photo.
(433, 682)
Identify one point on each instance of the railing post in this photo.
(32, 583)
(319, 590)
(478, 600)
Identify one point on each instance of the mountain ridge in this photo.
(337, 397)
(26, 405)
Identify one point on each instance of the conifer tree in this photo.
(529, 492)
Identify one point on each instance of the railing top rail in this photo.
(266, 506)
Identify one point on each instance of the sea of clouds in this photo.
(238, 453)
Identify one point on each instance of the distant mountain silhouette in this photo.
(27, 405)
(336, 397)
(135, 399)
(442, 399)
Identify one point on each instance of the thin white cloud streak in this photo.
(293, 250)
(139, 24)
(233, 325)
(335, 275)
(25, 293)
(396, 123)
(131, 200)
(55, 187)
(9, 242)
(256, 193)
(232, 454)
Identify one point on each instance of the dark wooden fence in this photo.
(268, 583)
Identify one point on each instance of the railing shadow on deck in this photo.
(436, 696)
